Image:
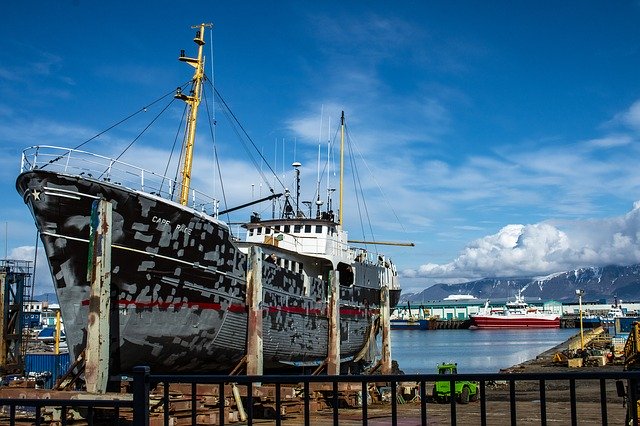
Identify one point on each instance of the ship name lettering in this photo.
(161, 221)
(183, 228)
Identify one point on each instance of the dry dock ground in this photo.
(526, 410)
(498, 406)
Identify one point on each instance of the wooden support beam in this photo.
(97, 349)
(333, 344)
(254, 305)
(385, 323)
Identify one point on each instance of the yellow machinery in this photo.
(632, 348)
(631, 362)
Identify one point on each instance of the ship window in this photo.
(307, 229)
(259, 231)
(277, 228)
(297, 229)
(318, 229)
(250, 232)
(267, 231)
(287, 228)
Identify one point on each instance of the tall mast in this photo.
(193, 100)
(341, 166)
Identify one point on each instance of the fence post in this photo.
(633, 400)
(141, 396)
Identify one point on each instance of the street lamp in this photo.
(580, 293)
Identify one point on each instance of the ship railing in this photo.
(602, 397)
(98, 167)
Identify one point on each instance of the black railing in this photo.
(503, 398)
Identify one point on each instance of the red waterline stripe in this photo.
(237, 308)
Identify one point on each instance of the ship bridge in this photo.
(314, 237)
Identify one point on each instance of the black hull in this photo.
(178, 284)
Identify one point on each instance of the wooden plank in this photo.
(97, 350)
(333, 349)
(254, 320)
(385, 322)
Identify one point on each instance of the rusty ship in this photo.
(178, 277)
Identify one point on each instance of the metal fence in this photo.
(504, 398)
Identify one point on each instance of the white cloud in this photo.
(544, 248)
(631, 117)
(611, 141)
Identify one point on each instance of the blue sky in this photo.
(504, 136)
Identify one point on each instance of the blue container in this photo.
(57, 365)
(624, 324)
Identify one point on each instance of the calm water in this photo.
(475, 351)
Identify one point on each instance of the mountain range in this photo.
(598, 283)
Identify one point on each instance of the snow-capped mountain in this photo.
(607, 283)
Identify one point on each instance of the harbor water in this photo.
(475, 351)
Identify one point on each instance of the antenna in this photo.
(296, 166)
(318, 201)
(275, 177)
(213, 109)
(329, 162)
(340, 209)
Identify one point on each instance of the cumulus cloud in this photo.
(544, 248)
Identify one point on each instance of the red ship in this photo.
(515, 314)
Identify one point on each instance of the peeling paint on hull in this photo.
(178, 284)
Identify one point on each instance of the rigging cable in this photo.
(140, 134)
(173, 148)
(230, 114)
(217, 159)
(357, 183)
(325, 168)
(384, 196)
(143, 109)
(213, 123)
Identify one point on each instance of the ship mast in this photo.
(341, 167)
(193, 100)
